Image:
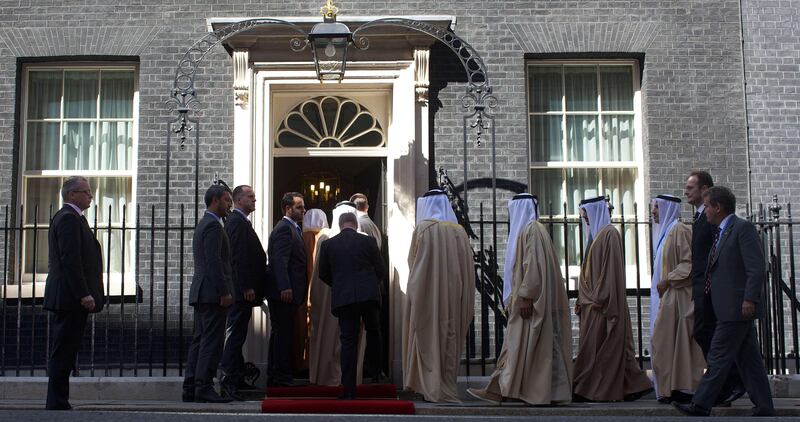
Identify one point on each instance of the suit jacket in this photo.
(248, 259)
(351, 264)
(702, 236)
(212, 262)
(737, 271)
(75, 264)
(287, 260)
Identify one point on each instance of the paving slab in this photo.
(741, 408)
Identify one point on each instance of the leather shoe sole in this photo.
(209, 398)
(690, 409)
(735, 395)
(233, 395)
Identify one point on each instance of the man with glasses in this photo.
(74, 286)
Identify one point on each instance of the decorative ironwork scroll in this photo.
(184, 97)
(479, 91)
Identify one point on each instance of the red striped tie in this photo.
(707, 288)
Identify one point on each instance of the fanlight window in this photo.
(329, 122)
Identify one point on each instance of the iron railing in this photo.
(777, 330)
(145, 327)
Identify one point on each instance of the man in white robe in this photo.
(535, 363)
(440, 300)
(677, 360)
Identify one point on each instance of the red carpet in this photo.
(373, 399)
(348, 407)
(363, 391)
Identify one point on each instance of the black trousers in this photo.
(281, 318)
(705, 321)
(206, 347)
(350, 318)
(232, 364)
(734, 344)
(68, 329)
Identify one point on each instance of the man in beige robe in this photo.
(606, 367)
(535, 363)
(314, 222)
(677, 359)
(365, 224)
(440, 300)
(324, 366)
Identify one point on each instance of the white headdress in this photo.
(435, 206)
(339, 209)
(599, 216)
(315, 219)
(522, 209)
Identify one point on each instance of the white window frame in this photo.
(565, 164)
(113, 284)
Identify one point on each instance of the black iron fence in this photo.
(777, 330)
(145, 328)
(142, 331)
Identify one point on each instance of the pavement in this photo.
(127, 410)
(84, 416)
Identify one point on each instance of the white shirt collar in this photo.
(292, 221)
(74, 207)
(701, 208)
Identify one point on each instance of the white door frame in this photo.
(254, 153)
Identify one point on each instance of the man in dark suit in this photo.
(210, 294)
(74, 286)
(732, 288)
(698, 183)
(351, 264)
(288, 287)
(249, 264)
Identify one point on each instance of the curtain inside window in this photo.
(93, 132)
(44, 94)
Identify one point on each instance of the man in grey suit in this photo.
(74, 286)
(732, 288)
(210, 295)
(288, 287)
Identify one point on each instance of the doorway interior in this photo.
(325, 181)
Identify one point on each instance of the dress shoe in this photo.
(690, 409)
(281, 384)
(483, 395)
(637, 395)
(681, 397)
(210, 396)
(664, 400)
(735, 395)
(231, 393)
(187, 396)
(380, 379)
(346, 396)
(60, 407)
(243, 385)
